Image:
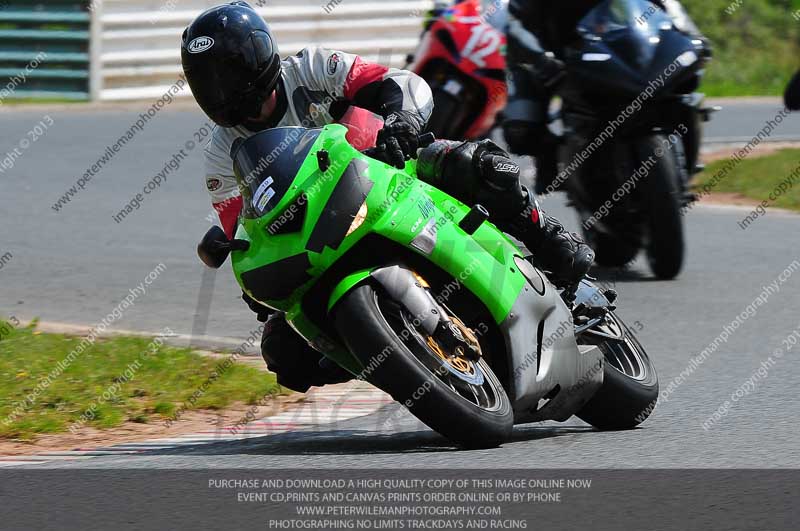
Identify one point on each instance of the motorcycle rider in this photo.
(232, 65)
(538, 33)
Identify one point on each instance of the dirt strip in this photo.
(190, 422)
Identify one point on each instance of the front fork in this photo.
(409, 289)
(695, 113)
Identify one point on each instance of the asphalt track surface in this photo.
(76, 265)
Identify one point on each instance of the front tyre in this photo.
(630, 384)
(663, 199)
(462, 400)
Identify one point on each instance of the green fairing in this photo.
(349, 282)
(399, 206)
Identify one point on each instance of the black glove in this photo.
(399, 137)
(261, 311)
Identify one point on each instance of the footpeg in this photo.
(592, 312)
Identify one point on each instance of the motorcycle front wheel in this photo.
(662, 193)
(461, 399)
(630, 384)
(610, 250)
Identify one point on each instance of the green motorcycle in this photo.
(407, 288)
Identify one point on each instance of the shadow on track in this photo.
(611, 275)
(355, 440)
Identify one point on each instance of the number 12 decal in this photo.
(484, 41)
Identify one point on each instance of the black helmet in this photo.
(231, 62)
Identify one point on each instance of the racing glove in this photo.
(399, 137)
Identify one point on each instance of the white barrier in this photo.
(136, 43)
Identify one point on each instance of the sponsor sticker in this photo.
(200, 44)
(426, 207)
(333, 63)
(262, 203)
(263, 194)
(213, 184)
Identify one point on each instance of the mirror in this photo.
(215, 247)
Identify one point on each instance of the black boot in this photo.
(483, 173)
(561, 253)
(296, 364)
(514, 209)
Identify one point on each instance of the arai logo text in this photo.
(200, 44)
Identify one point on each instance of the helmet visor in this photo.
(231, 89)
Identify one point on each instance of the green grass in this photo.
(759, 78)
(765, 73)
(153, 391)
(756, 45)
(758, 176)
(27, 101)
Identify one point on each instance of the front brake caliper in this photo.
(456, 338)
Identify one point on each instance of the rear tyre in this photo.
(620, 241)
(630, 384)
(662, 194)
(467, 405)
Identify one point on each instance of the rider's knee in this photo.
(289, 356)
(525, 122)
(522, 136)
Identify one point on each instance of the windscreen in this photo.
(266, 165)
(630, 27)
(683, 22)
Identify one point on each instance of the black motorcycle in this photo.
(632, 129)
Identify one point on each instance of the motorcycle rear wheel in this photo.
(469, 407)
